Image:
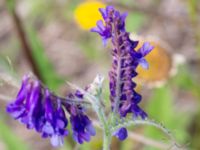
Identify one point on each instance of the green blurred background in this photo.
(59, 51)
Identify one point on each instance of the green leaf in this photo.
(51, 79)
(11, 141)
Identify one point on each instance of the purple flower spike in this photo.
(124, 98)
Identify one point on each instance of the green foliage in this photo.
(193, 8)
(51, 79)
(69, 9)
(10, 5)
(161, 108)
(6, 65)
(11, 141)
(88, 47)
(134, 21)
(184, 80)
(67, 146)
(127, 144)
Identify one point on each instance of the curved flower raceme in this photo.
(82, 127)
(39, 109)
(125, 60)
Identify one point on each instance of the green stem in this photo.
(99, 109)
(105, 124)
(129, 122)
(106, 141)
(107, 134)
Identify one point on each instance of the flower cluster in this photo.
(38, 108)
(81, 125)
(125, 60)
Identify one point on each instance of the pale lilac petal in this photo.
(146, 48)
(103, 12)
(57, 141)
(144, 63)
(91, 129)
(47, 128)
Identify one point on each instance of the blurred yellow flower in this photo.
(87, 14)
(160, 64)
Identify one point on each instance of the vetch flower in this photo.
(121, 134)
(37, 108)
(125, 60)
(55, 120)
(103, 31)
(82, 128)
(40, 109)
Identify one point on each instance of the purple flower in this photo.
(121, 134)
(82, 127)
(55, 120)
(144, 50)
(124, 98)
(17, 109)
(38, 109)
(104, 31)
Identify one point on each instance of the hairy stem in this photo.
(100, 112)
(107, 141)
(106, 130)
(129, 122)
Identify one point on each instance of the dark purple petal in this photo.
(138, 112)
(15, 111)
(82, 128)
(121, 134)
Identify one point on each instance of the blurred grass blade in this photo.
(11, 141)
(10, 5)
(51, 79)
